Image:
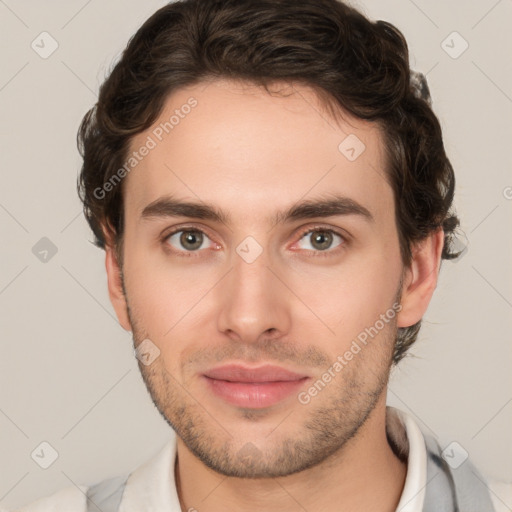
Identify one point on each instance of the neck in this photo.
(365, 474)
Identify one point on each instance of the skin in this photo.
(252, 154)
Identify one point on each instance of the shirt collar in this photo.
(411, 443)
(148, 486)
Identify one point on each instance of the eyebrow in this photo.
(333, 205)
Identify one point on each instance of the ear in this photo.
(115, 288)
(420, 279)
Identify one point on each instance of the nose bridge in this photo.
(252, 299)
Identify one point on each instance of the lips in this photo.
(253, 387)
(267, 373)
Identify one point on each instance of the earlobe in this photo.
(420, 279)
(115, 288)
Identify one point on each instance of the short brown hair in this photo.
(350, 61)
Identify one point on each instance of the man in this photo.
(271, 189)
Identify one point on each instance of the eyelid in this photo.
(322, 227)
(187, 227)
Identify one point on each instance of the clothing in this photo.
(431, 485)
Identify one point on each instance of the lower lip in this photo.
(254, 395)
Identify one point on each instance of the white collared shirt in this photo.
(152, 487)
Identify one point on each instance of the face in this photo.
(259, 301)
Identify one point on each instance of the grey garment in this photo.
(461, 489)
(448, 490)
(106, 496)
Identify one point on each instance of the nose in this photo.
(253, 302)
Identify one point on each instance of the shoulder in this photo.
(70, 499)
(442, 479)
(105, 496)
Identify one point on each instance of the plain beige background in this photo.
(68, 374)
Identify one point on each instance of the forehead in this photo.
(247, 150)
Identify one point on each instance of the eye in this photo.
(322, 239)
(187, 240)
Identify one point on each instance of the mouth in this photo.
(253, 388)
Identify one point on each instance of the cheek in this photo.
(335, 299)
(350, 295)
(165, 296)
(148, 291)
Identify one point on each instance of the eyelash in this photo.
(319, 254)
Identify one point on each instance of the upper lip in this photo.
(265, 373)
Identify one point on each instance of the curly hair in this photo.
(352, 63)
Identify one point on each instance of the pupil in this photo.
(322, 236)
(187, 239)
